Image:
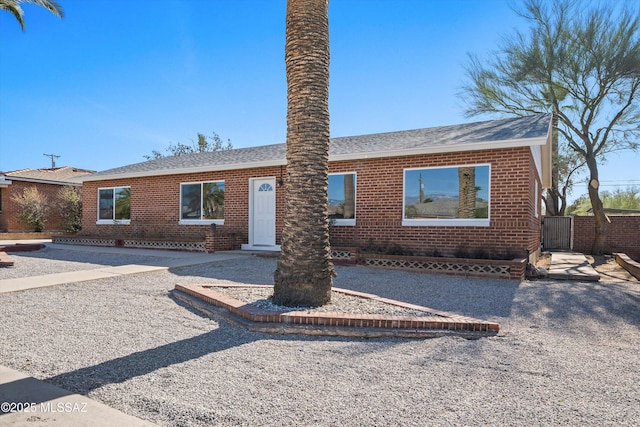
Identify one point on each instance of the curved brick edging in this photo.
(438, 323)
(628, 264)
(7, 261)
(22, 247)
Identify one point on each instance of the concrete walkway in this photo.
(163, 260)
(571, 266)
(27, 402)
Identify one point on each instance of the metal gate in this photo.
(557, 232)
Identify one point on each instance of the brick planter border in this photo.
(435, 323)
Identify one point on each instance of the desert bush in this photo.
(69, 205)
(33, 207)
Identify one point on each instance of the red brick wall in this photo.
(9, 215)
(155, 205)
(623, 235)
(379, 198)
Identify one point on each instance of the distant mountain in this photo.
(433, 197)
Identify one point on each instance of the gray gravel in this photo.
(49, 260)
(568, 353)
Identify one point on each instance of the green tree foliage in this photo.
(69, 206)
(14, 8)
(33, 208)
(618, 199)
(580, 61)
(202, 145)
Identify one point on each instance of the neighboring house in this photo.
(474, 186)
(47, 181)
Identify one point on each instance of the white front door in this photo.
(263, 218)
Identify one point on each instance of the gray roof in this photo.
(520, 131)
(61, 175)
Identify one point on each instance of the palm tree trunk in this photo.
(305, 273)
(349, 197)
(467, 192)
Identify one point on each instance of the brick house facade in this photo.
(381, 174)
(48, 182)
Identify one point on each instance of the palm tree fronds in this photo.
(13, 7)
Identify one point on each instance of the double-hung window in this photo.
(439, 196)
(342, 198)
(114, 205)
(202, 203)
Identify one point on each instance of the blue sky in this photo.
(117, 79)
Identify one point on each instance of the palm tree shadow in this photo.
(85, 380)
(121, 369)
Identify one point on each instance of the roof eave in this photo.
(182, 171)
(492, 145)
(43, 181)
(482, 146)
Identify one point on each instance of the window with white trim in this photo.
(114, 205)
(202, 202)
(457, 195)
(342, 198)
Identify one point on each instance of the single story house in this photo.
(475, 186)
(48, 181)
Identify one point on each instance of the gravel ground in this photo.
(567, 354)
(49, 260)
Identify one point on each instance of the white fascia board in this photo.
(43, 181)
(493, 145)
(181, 171)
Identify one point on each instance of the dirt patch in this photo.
(609, 269)
(544, 260)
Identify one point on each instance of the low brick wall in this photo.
(215, 240)
(222, 240)
(623, 235)
(506, 269)
(139, 243)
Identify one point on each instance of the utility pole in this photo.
(53, 159)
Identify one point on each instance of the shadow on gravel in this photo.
(89, 257)
(474, 297)
(124, 368)
(121, 369)
(606, 303)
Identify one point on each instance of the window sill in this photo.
(446, 223)
(201, 221)
(113, 222)
(343, 222)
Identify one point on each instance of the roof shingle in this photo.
(469, 136)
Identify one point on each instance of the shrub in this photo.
(33, 208)
(69, 205)
(461, 251)
(481, 253)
